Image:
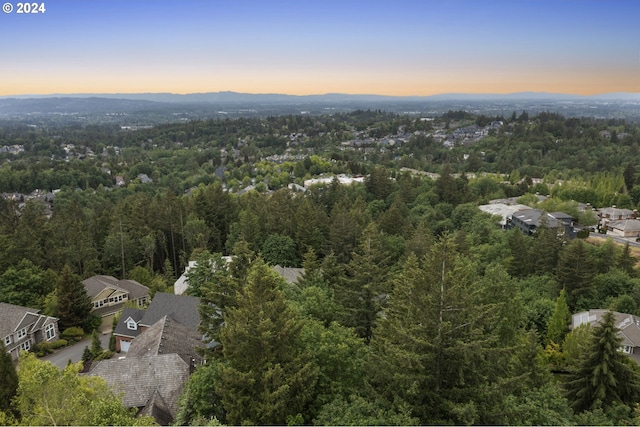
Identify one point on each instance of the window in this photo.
(22, 333)
(626, 349)
(7, 340)
(131, 324)
(26, 345)
(98, 304)
(50, 331)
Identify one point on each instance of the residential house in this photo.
(628, 324)
(133, 322)
(161, 344)
(182, 308)
(128, 328)
(606, 215)
(624, 228)
(21, 328)
(108, 296)
(528, 220)
(505, 211)
(290, 274)
(152, 384)
(168, 336)
(180, 286)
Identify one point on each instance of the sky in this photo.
(392, 47)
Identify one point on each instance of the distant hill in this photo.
(244, 98)
(154, 108)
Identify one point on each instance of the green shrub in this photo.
(105, 354)
(43, 348)
(73, 334)
(59, 343)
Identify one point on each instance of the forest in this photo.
(415, 307)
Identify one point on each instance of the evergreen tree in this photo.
(625, 261)
(266, 376)
(96, 345)
(440, 350)
(559, 322)
(519, 262)
(575, 273)
(8, 379)
(545, 247)
(74, 305)
(362, 293)
(605, 376)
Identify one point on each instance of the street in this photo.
(74, 353)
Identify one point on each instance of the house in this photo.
(624, 228)
(180, 286)
(528, 220)
(108, 296)
(151, 384)
(182, 308)
(133, 322)
(161, 344)
(168, 336)
(290, 274)
(628, 324)
(21, 328)
(128, 328)
(606, 215)
(505, 211)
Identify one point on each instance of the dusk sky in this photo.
(392, 47)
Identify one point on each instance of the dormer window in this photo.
(132, 325)
(7, 340)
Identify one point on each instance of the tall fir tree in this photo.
(604, 377)
(440, 349)
(575, 272)
(8, 379)
(266, 376)
(362, 293)
(74, 305)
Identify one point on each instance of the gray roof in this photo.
(11, 317)
(625, 224)
(289, 274)
(121, 328)
(97, 284)
(533, 217)
(182, 308)
(167, 336)
(140, 378)
(502, 209)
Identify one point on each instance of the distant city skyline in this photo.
(399, 48)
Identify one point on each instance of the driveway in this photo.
(61, 357)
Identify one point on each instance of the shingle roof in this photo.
(121, 328)
(625, 225)
(182, 308)
(136, 290)
(97, 284)
(12, 317)
(140, 378)
(167, 336)
(289, 274)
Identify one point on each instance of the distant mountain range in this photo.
(247, 98)
(145, 108)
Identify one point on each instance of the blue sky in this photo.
(311, 47)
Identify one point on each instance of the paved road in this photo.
(74, 353)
